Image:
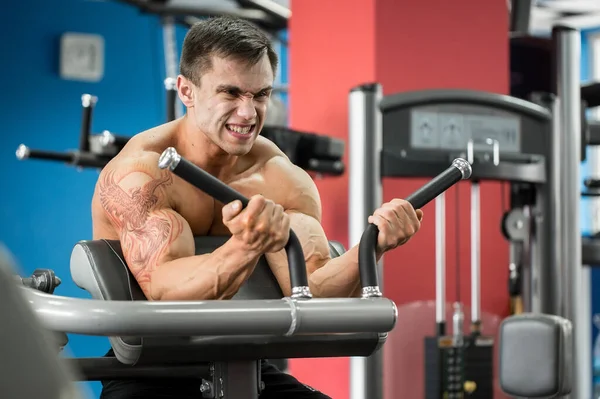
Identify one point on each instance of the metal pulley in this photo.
(514, 224)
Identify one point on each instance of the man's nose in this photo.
(246, 109)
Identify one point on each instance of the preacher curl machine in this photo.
(218, 342)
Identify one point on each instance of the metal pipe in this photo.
(177, 318)
(365, 195)
(553, 252)
(475, 258)
(440, 264)
(174, 110)
(531, 270)
(568, 75)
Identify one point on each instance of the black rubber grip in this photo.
(86, 126)
(326, 166)
(50, 155)
(435, 187)
(225, 194)
(367, 248)
(171, 97)
(76, 158)
(591, 94)
(120, 141)
(593, 128)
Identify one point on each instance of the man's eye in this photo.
(232, 92)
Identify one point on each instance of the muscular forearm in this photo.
(338, 278)
(217, 275)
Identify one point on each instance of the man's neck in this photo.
(197, 148)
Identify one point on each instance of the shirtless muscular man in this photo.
(227, 71)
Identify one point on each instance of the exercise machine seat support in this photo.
(99, 267)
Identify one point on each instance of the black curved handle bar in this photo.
(367, 256)
(212, 186)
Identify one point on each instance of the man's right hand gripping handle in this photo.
(158, 243)
(262, 227)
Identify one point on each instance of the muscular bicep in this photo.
(150, 231)
(314, 245)
(164, 236)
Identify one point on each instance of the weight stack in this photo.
(459, 371)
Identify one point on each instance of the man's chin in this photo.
(238, 149)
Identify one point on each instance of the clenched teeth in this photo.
(240, 129)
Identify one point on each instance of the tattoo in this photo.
(129, 210)
(145, 247)
(146, 233)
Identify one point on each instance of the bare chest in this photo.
(204, 214)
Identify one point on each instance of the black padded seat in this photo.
(99, 267)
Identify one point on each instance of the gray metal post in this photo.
(475, 256)
(365, 144)
(554, 232)
(545, 236)
(171, 61)
(440, 264)
(568, 75)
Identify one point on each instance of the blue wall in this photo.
(45, 206)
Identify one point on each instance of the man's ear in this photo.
(185, 91)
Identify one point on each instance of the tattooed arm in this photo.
(158, 243)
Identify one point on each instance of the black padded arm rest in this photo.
(99, 267)
(110, 368)
(223, 348)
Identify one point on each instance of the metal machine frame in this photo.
(556, 272)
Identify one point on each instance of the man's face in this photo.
(231, 103)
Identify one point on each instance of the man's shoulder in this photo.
(294, 183)
(264, 149)
(134, 160)
(133, 172)
(275, 163)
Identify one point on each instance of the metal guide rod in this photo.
(440, 263)
(531, 290)
(553, 224)
(475, 257)
(568, 63)
(171, 62)
(365, 190)
(476, 233)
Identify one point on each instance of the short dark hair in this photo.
(224, 37)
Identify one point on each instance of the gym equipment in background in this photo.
(219, 342)
(277, 115)
(269, 15)
(94, 151)
(312, 152)
(557, 346)
(536, 147)
(442, 124)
